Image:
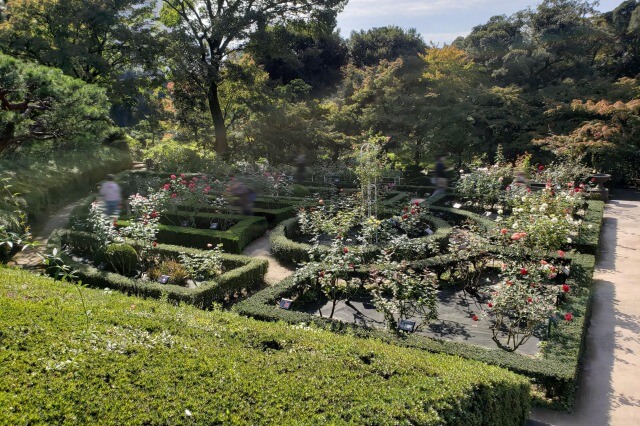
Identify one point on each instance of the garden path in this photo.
(30, 258)
(261, 248)
(609, 391)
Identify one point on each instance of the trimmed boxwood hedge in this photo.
(291, 252)
(146, 362)
(587, 241)
(554, 374)
(242, 273)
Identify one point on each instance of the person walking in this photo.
(111, 196)
(441, 176)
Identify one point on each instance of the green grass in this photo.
(147, 362)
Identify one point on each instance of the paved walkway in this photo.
(29, 259)
(609, 389)
(261, 248)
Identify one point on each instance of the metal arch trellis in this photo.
(370, 187)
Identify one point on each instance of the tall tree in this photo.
(40, 103)
(205, 32)
(93, 40)
(369, 47)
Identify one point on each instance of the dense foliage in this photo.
(203, 367)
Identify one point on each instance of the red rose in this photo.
(404, 209)
(345, 250)
(154, 243)
(565, 288)
(541, 167)
(523, 271)
(529, 300)
(509, 283)
(528, 189)
(417, 203)
(474, 317)
(173, 176)
(192, 185)
(593, 180)
(490, 305)
(195, 179)
(174, 195)
(508, 188)
(321, 273)
(182, 175)
(503, 231)
(568, 316)
(405, 216)
(413, 211)
(154, 215)
(184, 182)
(561, 253)
(166, 187)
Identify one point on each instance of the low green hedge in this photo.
(291, 252)
(589, 236)
(146, 362)
(233, 240)
(242, 273)
(459, 215)
(555, 373)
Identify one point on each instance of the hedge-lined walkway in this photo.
(608, 393)
(29, 259)
(261, 248)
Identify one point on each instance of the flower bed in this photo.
(288, 251)
(241, 272)
(553, 374)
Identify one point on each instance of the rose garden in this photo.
(231, 213)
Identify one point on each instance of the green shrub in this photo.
(299, 191)
(169, 156)
(122, 258)
(147, 362)
(241, 272)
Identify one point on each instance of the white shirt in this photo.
(110, 191)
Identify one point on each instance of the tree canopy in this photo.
(41, 103)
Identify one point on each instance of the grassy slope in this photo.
(143, 361)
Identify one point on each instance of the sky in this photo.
(439, 21)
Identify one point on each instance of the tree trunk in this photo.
(218, 119)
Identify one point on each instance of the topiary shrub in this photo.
(177, 273)
(300, 191)
(122, 258)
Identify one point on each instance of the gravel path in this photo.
(261, 248)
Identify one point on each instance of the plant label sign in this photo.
(214, 225)
(285, 303)
(163, 279)
(407, 326)
(428, 231)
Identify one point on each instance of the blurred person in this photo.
(111, 196)
(441, 176)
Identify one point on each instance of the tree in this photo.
(93, 40)
(532, 48)
(369, 47)
(622, 57)
(206, 32)
(41, 103)
(312, 52)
